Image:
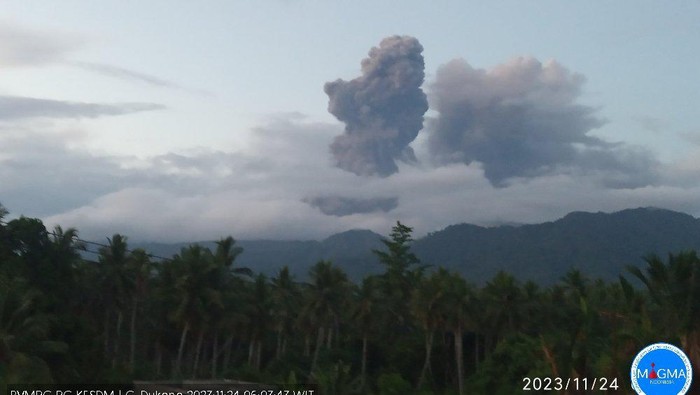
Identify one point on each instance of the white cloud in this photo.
(17, 107)
(259, 193)
(29, 47)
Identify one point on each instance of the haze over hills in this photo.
(352, 250)
(600, 244)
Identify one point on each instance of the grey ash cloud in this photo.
(522, 119)
(382, 109)
(339, 206)
(17, 107)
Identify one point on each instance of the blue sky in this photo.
(174, 120)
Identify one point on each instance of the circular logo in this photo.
(661, 369)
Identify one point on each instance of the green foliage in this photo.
(334, 379)
(24, 333)
(393, 384)
(402, 265)
(200, 315)
(502, 372)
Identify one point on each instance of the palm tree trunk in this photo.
(333, 333)
(549, 357)
(181, 349)
(197, 352)
(329, 341)
(488, 344)
(132, 351)
(428, 352)
(214, 354)
(319, 342)
(363, 371)
(476, 349)
(106, 350)
(336, 330)
(159, 358)
(258, 356)
(228, 345)
(251, 351)
(205, 355)
(307, 345)
(446, 344)
(458, 357)
(117, 340)
(278, 352)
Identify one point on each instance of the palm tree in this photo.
(504, 299)
(192, 271)
(64, 256)
(285, 302)
(140, 266)
(675, 288)
(234, 319)
(581, 320)
(224, 281)
(259, 317)
(226, 253)
(24, 331)
(117, 284)
(425, 307)
(365, 315)
(328, 291)
(28, 240)
(457, 306)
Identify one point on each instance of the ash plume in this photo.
(382, 109)
(340, 206)
(523, 119)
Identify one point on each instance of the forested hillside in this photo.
(407, 329)
(601, 244)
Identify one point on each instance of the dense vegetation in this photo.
(411, 328)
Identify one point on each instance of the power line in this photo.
(78, 239)
(108, 246)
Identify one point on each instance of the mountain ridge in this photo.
(598, 243)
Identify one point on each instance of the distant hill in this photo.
(600, 244)
(350, 250)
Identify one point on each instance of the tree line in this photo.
(414, 328)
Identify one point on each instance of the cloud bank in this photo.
(260, 192)
(16, 107)
(382, 109)
(27, 47)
